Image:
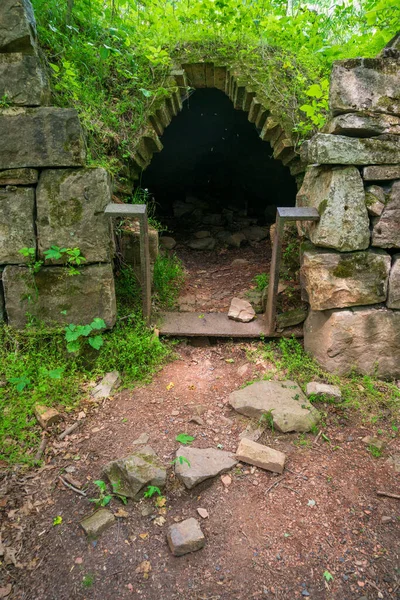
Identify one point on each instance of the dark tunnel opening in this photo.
(215, 170)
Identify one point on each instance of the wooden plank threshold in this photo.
(193, 324)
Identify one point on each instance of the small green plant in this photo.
(375, 451)
(181, 460)
(88, 580)
(151, 491)
(20, 382)
(268, 419)
(76, 334)
(71, 257)
(5, 101)
(33, 265)
(327, 576)
(104, 498)
(57, 521)
(261, 281)
(184, 438)
(168, 280)
(316, 110)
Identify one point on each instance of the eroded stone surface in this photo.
(99, 521)
(204, 464)
(365, 84)
(337, 280)
(261, 456)
(338, 195)
(358, 125)
(381, 172)
(375, 200)
(326, 149)
(365, 339)
(185, 537)
(292, 317)
(241, 310)
(19, 177)
(130, 475)
(40, 137)
(283, 400)
(386, 228)
(70, 212)
(16, 223)
(107, 385)
(55, 298)
(23, 80)
(394, 284)
(17, 27)
(324, 390)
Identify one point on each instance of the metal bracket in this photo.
(138, 210)
(282, 216)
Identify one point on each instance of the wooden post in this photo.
(282, 216)
(138, 210)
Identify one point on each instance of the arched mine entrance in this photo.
(216, 187)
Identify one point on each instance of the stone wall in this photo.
(47, 195)
(351, 264)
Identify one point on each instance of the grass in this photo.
(168, 280)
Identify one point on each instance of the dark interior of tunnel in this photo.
(214, 160)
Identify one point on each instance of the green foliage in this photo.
(168, 280)
(181, 460)
(75, 335)
(88, 580)
(5, 101)
(151, 490)
(34, 265)
(375, 451)
(184, 438)
(71, 257)
(104, 498)
(261, 281)
(268, 419)
(327, 576)
(57, 521)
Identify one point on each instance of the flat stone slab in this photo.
(185, 537)
(241, 310)
(58, 129)
(106, 386)
(130, 475)
(17, 227)
(95, 524)
(23, 80)
(358, 125)
(381, 172)
(283, 400)
(72, 201)
(364, 339)
(323, 390)
(261, 456)
(56, 298)
(327, 149)
(204, 464)
(337, 279)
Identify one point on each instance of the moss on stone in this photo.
(322, 207)
(350, 265)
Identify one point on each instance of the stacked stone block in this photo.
(351, 264)
(47, 196)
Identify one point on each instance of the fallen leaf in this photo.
(121, 513)
(160, 501)
(160, 521)
(4, 591)
(145, 568)
(170, 385)
(143, 536)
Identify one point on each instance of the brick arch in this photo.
(244, 94)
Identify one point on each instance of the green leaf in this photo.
(57, 521)
(20, 382)
(146, 93)
(73, 346)
(104, 52)
(106, 500)
(98, 324)
(56, 373)
(184, 438)
(151, 490)
(328, 576)
(53, 253)
(96, 342)
(100, 484)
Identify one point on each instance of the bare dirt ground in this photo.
(266, 536)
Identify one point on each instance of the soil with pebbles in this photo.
(266, 536)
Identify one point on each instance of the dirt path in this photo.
(267, 537)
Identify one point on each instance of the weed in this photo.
(184, 438)
(5, 101)
(75, 335)
(181, 460)
(267, 418)
(168, 280)
(104, 498)
(151, 490)
(88, 580)
(375, 451)
(261, 281)
(303, 441)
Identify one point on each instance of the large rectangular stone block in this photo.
(337, 280)
(360, 126)
(19, 177)
(17, 26)
(40, 137)
(23, 81)
(381, 172)
(365, 84)
(394, 284)
(16, 223)
(364, 339)
(386, 228)
(52, 292)
(70, 212)
(327, 149)
(338, 195)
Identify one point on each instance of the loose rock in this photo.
(106, 386)
(204, 464)
(167, 242)
(251, 433)
(203, 513)
(98, 522)
(241, 310)
(207, 243)
(128, 476)
(185, 537)
(331, 392)
(284, 401)
(46, 416)
(261, 456)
